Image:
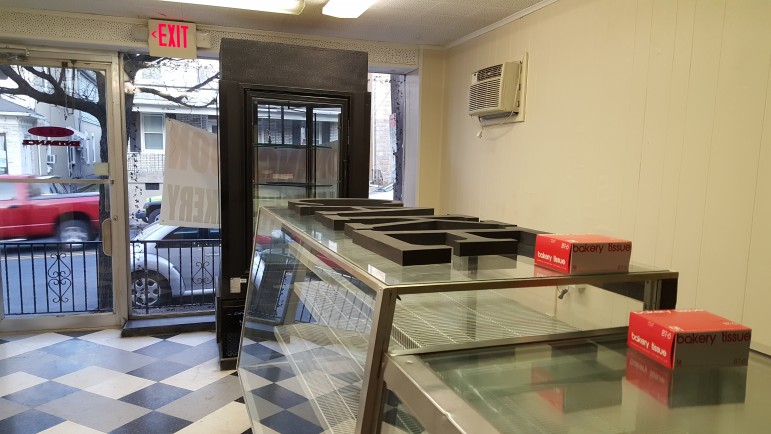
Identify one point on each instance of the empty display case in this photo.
(352, 323)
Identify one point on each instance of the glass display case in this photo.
(348, 320)
(296, 147)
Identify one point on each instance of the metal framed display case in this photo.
(328, 293)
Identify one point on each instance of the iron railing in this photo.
(43, 278)
(62, 278)
(173, 276)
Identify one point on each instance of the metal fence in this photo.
(173, 276)
(167, 277)
(43, 278)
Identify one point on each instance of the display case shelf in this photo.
(592, 384)
(348, 311)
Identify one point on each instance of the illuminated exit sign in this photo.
(171, 39)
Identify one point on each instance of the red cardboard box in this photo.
(681, 338)
(582, 253)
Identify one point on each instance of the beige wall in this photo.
(649, 120)
(430, 128)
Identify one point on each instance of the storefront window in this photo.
(174, 268)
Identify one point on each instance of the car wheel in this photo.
(149, 289)
(154, 216)
(73, 233)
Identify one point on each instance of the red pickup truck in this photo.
(31, 211)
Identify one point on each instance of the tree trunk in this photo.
(397, 107)
(104, 293)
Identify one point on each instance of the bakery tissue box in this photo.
(582, 253)
(688, 338)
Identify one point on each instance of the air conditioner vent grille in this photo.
(484, 95)
(489, 72)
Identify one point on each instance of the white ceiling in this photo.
(425, 22)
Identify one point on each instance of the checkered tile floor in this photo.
(92, 382)
(271, 379)
(98, 382)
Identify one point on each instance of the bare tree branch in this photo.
(46, 76)
(133, 63)
(181, 99)
(205, 82)
(56, 98)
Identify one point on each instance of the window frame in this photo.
(143, 132)
(4, 149)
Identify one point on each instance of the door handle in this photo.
(107, 237)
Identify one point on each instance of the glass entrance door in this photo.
(58, 120)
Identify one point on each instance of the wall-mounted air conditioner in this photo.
(494, 91)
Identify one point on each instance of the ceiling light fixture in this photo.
(347, 8)
(293, 7)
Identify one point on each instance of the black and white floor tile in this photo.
(98, 382)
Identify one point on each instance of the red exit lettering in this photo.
(171, 35)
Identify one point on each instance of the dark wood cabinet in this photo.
(294, 123)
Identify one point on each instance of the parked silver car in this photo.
(173, 262)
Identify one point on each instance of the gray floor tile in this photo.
(155, 396)
(160, 370)
(305, 411)
(70, 347)
(162, 349)
(30, 421)
(153, 423)
(196, 355)
(289, 423)
(272, 372)
(114, 359)
(26, 362)
(94, 411)
(280, 396)
(10, 408)
(56, 368)
(41, 394)
(261, 407)
(261, 352)
(206, 400)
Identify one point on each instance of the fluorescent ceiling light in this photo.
(347, 8)
(279, 6)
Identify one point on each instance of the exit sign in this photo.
(171, 39)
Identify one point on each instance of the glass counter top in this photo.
(595, 386)
(334, 307)
(461, 269)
